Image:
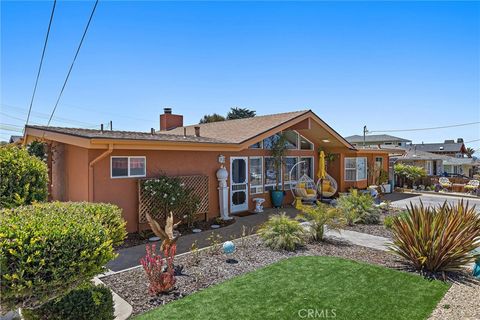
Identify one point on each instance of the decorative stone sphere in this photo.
(222, 174)
(228, 247)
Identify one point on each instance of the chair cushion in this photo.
(301, 192)
(311, 191)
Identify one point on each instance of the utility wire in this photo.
(41, 61)
(73, 62)
(431, 128)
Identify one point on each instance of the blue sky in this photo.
(387, 65)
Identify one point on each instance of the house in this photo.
(431, 162)
(105, 165)
(377, 140)
(448, 147)
(462, 166)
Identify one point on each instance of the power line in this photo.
(46, 116)
(73, 62)
(472, 141)
(431, 128)
(41, 61)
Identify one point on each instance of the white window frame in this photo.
(300, 146)
(429, 167)
(265, 176)
(261, 185)
(128, 167)
(356, 168)
(313, 166)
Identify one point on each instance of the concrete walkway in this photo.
(360, 239)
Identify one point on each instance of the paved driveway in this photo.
(402, 200)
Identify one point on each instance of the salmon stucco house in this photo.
(105, 166)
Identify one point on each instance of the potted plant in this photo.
(278, 152)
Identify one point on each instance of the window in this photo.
(256, 175)
(257, 145)
(268, 142)
(270, 174)
(289, 163)
(305, 144)
(124, 167)
(355, 169)
(378, 163)
(306, 167)
(429, 167)
(291, 139)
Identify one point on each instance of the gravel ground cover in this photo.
(208, 267)
(373, 229)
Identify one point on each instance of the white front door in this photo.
(238, 184)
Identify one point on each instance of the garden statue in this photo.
(166, 234)
(229, 248)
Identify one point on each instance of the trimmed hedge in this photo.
(88, 302)
(50, 248)
(23, 177)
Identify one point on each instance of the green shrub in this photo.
(50, 248)
(88, 302)
(436, 239)
(23, 178)
(171, 194)
(358, 208)
(408, 172)
(320, 216)
(281, 232)
(388, 222)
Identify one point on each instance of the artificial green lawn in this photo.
(284, 289)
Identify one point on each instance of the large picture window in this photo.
(355, 169)
(126, 167)
(256, 175)
(306, 167)
(289, 163)
(270, 174)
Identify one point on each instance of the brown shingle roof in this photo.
(239, 130)
(127, 135)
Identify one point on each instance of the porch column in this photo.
(222, 175)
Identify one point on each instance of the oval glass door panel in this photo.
(238, 184)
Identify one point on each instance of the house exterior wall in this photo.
(124, 191)
(344, 186)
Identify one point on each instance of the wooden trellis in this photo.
(147, 203)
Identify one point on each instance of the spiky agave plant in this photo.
(437, 239)
(280, 232)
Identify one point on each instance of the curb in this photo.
(123, 310)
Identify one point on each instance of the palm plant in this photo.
(470, 152)
(437, 239)
(320, 216)
(281, 232)
(358, 208)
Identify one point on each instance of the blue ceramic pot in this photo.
(277, 198)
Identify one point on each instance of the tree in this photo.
(470, 152)
(38, 149)
(240, 113)
(212, 118)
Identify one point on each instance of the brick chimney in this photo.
(169, 121)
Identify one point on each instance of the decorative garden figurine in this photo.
(229, 248)
(166, 234)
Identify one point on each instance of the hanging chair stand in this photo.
(309, 184)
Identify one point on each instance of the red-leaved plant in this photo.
(159, 268)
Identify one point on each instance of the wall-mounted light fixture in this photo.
(221, 159)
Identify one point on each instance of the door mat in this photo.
(245, 214)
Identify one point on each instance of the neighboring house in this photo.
(15, 139)
(463, 166)
(377, 139)
(431, 162)
(448, 147)
(104, 166)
